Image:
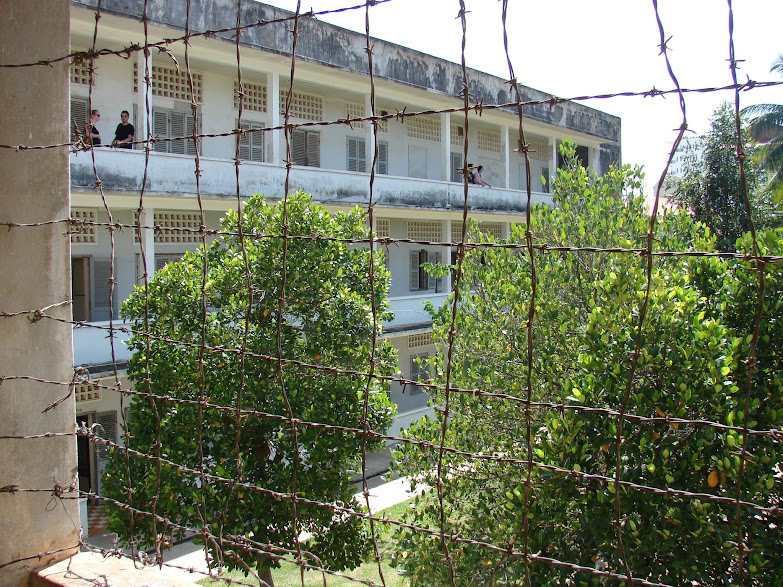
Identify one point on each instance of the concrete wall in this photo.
(34, 265)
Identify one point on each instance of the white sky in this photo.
(578, 47)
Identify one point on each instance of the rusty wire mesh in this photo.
(517, 546)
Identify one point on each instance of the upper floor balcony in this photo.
(122, 171)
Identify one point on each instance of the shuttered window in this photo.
(306, 148)
(418, 371)
(355, 154)
(101, 288)
(251, 145)
(170, 124)
(383, 159)
(108, 430)
(78, 117)
(456, 168)
(420, 280)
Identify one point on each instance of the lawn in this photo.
(288, 575)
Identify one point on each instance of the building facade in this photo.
(418, 188)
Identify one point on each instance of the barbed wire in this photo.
(223, 545)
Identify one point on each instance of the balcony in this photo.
(92, 346)
(121, 172)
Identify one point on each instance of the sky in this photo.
(578, 48)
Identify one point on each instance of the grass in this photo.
(288, 574)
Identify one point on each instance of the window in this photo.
(80, 73)
(170, 82)
(306, 148)
(488, 141)
(79, 116)
(356, 157)
(355, 154)
(355, 111)
(251, 145)
(419, 371)
(456, 168)
(424, 129)
(382, 167)
(161, 260)
(457, 135)
(420, 280)
(581, 157)
(170, 124)
(304, 106)
(254, 97)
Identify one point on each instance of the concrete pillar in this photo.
(273, 111)
(144, 95)
(506, 148)
(593, 155)
(35, 269)
(369, 150)
(445, 146)
(147, 222)
(552, 165)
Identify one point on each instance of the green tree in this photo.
(766, 128)
(586, 319)
(712, 188)
(326, 319)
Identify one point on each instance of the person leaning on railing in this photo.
(123, 136)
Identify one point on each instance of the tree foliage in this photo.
(695, 341)
(766, 128)
(326, 320)
(712, 187)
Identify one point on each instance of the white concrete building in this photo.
(419, 190)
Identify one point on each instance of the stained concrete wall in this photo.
(331, 46)
(35, 270)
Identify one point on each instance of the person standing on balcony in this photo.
(123, 136)
(478, 179)
(91, 131)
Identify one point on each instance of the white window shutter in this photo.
(438, 280)
(177, 132)
(190, 129)
(78, 117)
(298, 150)
(423, 277)
(361, 157)
(101, 303)
(244, 143)
(351, 147)
(160, 129)
(313, 149)
(108, 422)
(257, 144)
(414, 271)
(383, 159)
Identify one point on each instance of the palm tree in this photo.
(766, 128)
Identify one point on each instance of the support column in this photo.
(369, 149)
(273, 111)
(552, 165)
(445, 146)
(147, 221)
(144, 95)
(36, 274)
(594, 158)
(504, 140)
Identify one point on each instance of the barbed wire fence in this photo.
(518, 546)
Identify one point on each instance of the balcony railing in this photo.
(122, 171)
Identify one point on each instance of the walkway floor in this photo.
(383, 494)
